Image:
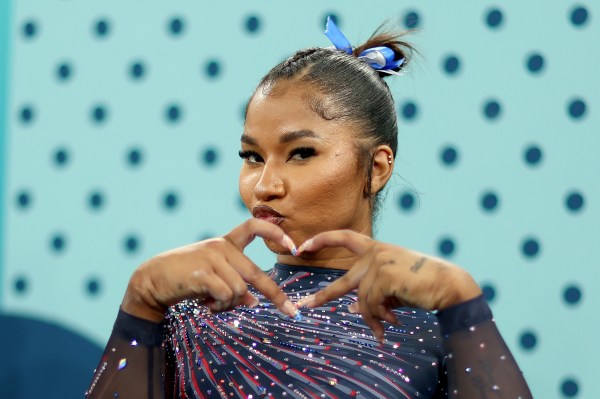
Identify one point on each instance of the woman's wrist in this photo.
(138, 301)
(460, 288)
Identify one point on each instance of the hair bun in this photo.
(392, 41)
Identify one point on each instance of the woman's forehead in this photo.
(289, 107)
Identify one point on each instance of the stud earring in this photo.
(390, 159)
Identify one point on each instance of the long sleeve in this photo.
(134, 363)
(479, 363)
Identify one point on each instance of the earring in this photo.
(390, 159)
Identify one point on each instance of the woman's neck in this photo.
(331, 258)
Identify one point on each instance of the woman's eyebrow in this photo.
(296, 135)
(248, 140)
(285, 138)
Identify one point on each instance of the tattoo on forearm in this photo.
(418, 265)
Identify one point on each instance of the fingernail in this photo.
(391, 318)
(289, 309)
(298, 315)
(287, 241)
(306, 301)
(305, 246)
(353, 308)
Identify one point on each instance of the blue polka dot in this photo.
(63, 71)
(93, 287)
(213, 69)
(489, 201)
(176, 26)
(26, 114)
(406, 201)
(96, 200)
(102, 28)
(530, 247)
(577, 108)
(449, 155)
(173, 113)
(30, 29)
(170, 201)
(134, 157)
(492, 109)
(252, 24)
(58, 243)
(528, 340)
(572, 295)
(131, 244)
(412, 19)
(210, 157)
(409, 110)
(494, 18)
(533, 155)
(137, 70)
(61, 157)
(99, 114)
(23, 199)
(579, 16)
(489, 292)
(574, 201)
(446, 246)
(569, 388)
(535, 63)
(451, 64)
(21, 285)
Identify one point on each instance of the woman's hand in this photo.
(214, 271)
(388, 276)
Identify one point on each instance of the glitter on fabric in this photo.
(324, 352)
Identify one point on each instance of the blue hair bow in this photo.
(379, 58)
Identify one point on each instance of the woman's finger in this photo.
(211, 289)
(258, 279)
(246, 232)
(365, 291)
(234, 281)
(335, 290)
(356, 242)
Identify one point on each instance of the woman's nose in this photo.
(270, 185)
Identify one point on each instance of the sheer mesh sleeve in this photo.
(479, 363)
(134, 363)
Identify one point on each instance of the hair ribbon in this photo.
(379, 58)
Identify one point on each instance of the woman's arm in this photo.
(479, 364)
(216, 272)
(478, 361)
(133, 364)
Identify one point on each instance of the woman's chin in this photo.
(276, 248)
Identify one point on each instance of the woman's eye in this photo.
(302, 153)
(250, 156)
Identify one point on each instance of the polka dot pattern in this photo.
(123, 144)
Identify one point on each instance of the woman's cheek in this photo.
(246, 186)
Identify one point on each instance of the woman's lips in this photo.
(268, 214)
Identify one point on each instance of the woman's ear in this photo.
(383, 165)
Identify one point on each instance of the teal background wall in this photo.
(119, 131)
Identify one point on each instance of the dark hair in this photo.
(353, 91)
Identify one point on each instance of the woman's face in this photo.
(301, 171)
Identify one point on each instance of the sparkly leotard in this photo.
(328, 353)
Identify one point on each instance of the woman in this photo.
(204, 321)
